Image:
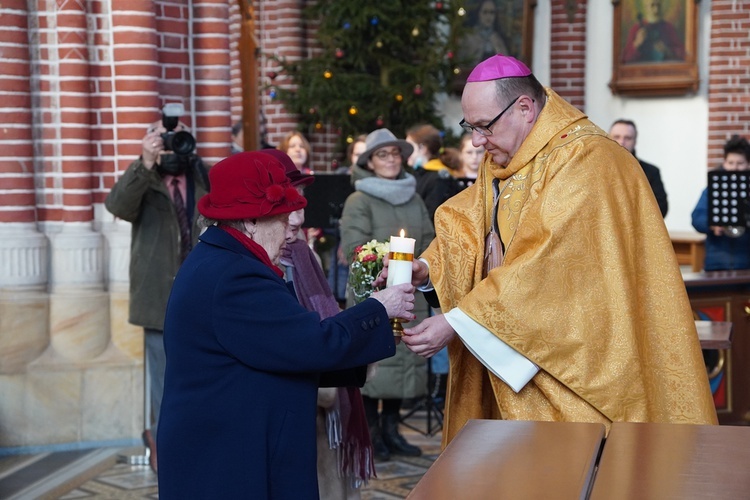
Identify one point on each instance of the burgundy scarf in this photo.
(345, 420)
(253, 247)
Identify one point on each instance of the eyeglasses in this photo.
(485, 129)
(384, 155)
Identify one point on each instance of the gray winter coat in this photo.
(378, 209)
(141, 198)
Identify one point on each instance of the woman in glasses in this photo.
(384, 203)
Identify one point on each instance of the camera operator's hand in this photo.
(152, 145)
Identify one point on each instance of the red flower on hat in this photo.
(267, 186)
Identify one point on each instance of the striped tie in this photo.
(186, 242)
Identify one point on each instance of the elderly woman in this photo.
(384, 202)
(244, 358)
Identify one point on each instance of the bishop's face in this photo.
(480, 106)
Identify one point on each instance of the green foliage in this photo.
(381, 65)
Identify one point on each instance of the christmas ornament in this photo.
(417, 89)
(353, 110)
(334, 164)
(439, 5)
(318, 126)
(312, 111)
(347, 25)
(415, 31)
(461, 12)
(327, 74)
(339, 53)
(449, 55)
(374, 21)
(349, 139)
(399, 97)
(456, 70)
(272, 75)
(379, 44)
(379, 122)
(272, 93)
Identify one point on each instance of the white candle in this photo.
(400, 259)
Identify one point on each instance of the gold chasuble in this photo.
(589, 290)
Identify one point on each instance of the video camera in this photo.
(180, 144)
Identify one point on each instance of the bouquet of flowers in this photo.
(365, 267)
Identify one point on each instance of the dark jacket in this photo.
(140, 197)
(243, 363)
(654, 179)
(723, 253)
(435, 186)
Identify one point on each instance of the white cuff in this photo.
(506, 363)
(427, 287)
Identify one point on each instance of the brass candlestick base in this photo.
(398, 329)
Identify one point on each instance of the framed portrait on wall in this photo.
(493, 27)
(654, 47)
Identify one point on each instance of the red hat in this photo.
(292, 172)
(249, 185)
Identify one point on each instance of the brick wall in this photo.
(17, 200)
(86, 79)
(568, 50)
(729, 80)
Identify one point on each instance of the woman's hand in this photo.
(398, 301)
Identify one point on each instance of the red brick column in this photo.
(128, 80)
(282, 36)
(729, 80)
(17, 201)
(235, 72)
(212, 78)
(568, 51)
(59, 60)
(70, 172)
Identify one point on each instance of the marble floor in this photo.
(101, 474)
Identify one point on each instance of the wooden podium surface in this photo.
(714, 334)
(514, 459)
(689, 247)
(658, 461)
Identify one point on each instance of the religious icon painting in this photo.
(654, 47)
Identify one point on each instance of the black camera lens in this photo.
(181, 143)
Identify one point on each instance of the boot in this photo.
(394, 441)
(379, 449)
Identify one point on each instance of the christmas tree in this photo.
(381, 65)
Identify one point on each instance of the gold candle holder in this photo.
(398, 328)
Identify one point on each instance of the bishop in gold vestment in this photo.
(589, 289)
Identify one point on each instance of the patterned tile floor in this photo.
(98, 474)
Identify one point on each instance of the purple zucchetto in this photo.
(497, 67)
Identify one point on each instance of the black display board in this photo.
(325, 200)
(728, 197)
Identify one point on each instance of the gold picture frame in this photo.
(654, 47)
(508, 30)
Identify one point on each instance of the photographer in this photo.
(158, 195)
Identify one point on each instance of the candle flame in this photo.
(403, 233)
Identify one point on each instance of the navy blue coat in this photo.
(243, 366)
